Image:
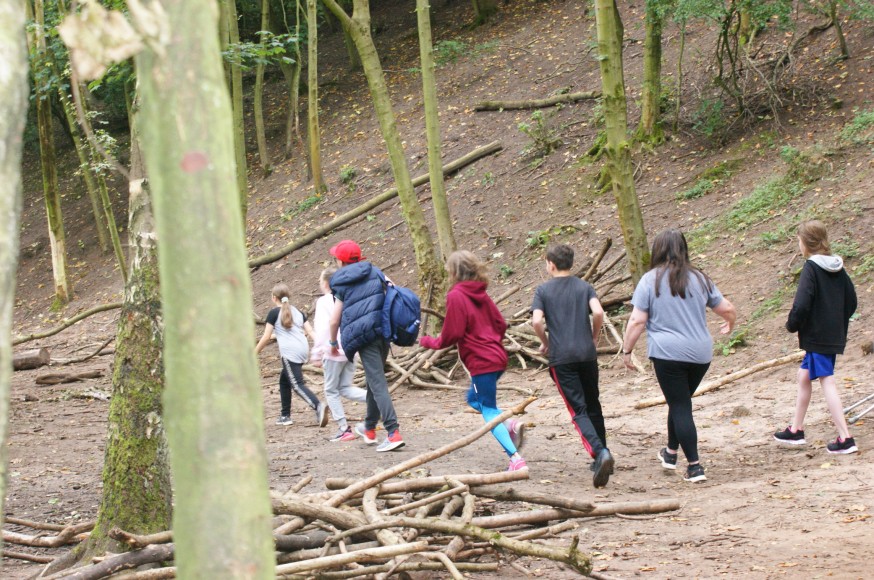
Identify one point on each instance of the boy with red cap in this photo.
(359, 294)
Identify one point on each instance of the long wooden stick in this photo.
(369, 571)
(546, 515)
(428, 500)
(66, 323)
(362, 485)
(722, 381)
(357, 556)
(362, 209)
(535, 103)
(435, 482)
(510, 494)
(114, 564)
(68, 535)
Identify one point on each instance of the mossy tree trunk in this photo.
(136, 471)
(431, 273)
(261, 137)
(432, 131)
(649, 129)
(618, 148)
(57, 237)
(212, 401)
(291, 72)
(313, 134)
(13, 111)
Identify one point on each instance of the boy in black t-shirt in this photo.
(564, 304)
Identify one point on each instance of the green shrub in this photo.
(302, 206)
(544, 138)
(347, 174)
(709, 118)
(448, 51)
(860, 129)
(765, 201)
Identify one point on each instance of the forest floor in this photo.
(765, 511)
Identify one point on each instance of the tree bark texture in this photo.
(212, 401)
(313, 134)
(14, 92)
(432, 132)
(619, 166)
(650, 127)
(57, 237)
(232, 34)
(136, 470)
(358, 26)
(263, 151)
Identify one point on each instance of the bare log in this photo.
(29, 557)
(329, 513)
(357, 556)
(535, 103)
(546, 515)
(30, 359)
(153, 574)
(66, 536)
(137, 542)
(428, 500)
(117, 563)
(722, 381)
(422, 359)
(436, 482)
(549, 531)
(58, 378)
(66, 323)
(32, 524)
(590, 271)
(369, 571)
(362, 209)
(362, 485)
(457, 543)
(308, 554)
(510, 494)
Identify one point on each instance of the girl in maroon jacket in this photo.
(477, 326)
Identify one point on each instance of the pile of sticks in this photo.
(376, 527)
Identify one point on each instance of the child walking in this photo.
(564, 304)
(289, 324)
(824, 302)
(477, 326)
(339, 371)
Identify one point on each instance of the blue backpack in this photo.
(401, 315)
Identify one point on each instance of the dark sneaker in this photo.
(787, 436)
(602, 468)
(844, 447)
(284, 420)
(342, 435)
(669, 461)
(392, 442)
(695, 473)
(517, 432)
(322, 414)
(517, 465)
(369, 435)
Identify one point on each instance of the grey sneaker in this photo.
(392, 442)
(602, 469)
(791, 437)
(669, 461)
(322, 414)
(284, 420)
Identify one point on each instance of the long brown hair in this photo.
(463, 266)
(670, 254)
(814, 236)
(283, 294)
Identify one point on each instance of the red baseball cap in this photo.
(347, 252)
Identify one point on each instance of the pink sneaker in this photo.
(517, 465)
(517, 432)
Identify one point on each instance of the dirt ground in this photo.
(765, 512)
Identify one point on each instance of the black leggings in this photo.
(678, 380)
(290, 378)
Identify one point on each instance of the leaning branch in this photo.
(536, 103)
(66, 323)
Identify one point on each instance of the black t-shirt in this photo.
(565, 303)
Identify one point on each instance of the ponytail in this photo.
(281, 292)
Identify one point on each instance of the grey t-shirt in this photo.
(677, 327)
(565, 304)
(292, 342)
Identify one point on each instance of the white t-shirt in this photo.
(322, 331)
(293, 345)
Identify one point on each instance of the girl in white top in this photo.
(338, 370)
(289, 326)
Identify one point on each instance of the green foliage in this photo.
(778, 236)
(710, 179)
(701, 187)
(709, 118)
(765, 201)
(860, 129)
(348, 174)
(505, 271)
(544, 138)
(768, 306)
(540, 239)
(847, 249)
(865, 267)
(488, 179)
(276, 49)
(448, 51)
(302, 206)
(730, 344)
(806, 166)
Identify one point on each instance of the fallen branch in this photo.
(510, 494)
(58, 378)
(535, 103)
(358, 556)
(87, 357)
(29, 557)
(546, 515)
(66, 323)
(117, 563)
(34, 525)
(137, 542)
(436, 482)
(722, 381)
(66, 536)
(327, 228)
(30, 359)
(428, 500)
(369, 571)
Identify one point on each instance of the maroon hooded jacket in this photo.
(476, 325)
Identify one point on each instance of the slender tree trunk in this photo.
(432, 131)
(313, 133)
(13, 111)
(483, 9)
(291, 72)
(618, 149)
(57, 237)
(231, 32)
(351, 52)
(839, 30)
(212, 402)
(263, 152)
(358, 25)
(650, 127)
(678, 98)
(136, 493)
(745, 26)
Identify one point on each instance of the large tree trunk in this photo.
(13, 111)
(313, 133)
(136, 472)
(57, 238)
(432, 131)
(212, 401)
(650, 127)
(358, 25)
(263, 151)
(618, 149)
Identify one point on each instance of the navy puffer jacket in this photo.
(359, 287)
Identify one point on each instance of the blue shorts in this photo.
(818, 365)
